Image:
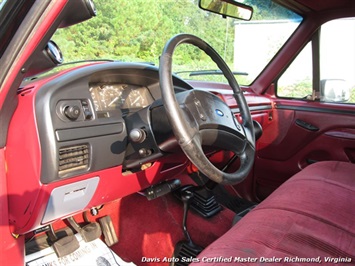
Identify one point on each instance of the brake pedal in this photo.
(88, 232)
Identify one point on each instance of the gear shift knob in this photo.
(186, 196)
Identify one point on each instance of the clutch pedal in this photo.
(66, 245)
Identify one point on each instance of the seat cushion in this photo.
(311, 217)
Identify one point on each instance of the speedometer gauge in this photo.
(111, 96)
(108, 96)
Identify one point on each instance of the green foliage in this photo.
(303, 89)
(269, 10)
(299, 89)
(138, 30)
(352, 95)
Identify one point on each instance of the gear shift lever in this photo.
(186, 248)
(186, 197)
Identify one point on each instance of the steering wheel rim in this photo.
(188, 137)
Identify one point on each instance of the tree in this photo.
(138, 30)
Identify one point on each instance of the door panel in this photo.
(302, 133)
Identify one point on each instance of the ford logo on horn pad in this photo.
(219, 112)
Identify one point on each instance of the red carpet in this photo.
(150, 229)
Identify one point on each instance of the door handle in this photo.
(306, 125)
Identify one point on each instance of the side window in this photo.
(337, 66)
(296, 81)
(337, 61)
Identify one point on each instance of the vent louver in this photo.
(73, 158)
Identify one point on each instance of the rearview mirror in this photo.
(334, 90)
(227, 8)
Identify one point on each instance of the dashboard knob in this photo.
(144, 152)
(137, 135)
(72, 112)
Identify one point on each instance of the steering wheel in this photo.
(199, 118)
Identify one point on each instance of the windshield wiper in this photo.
(210, 72)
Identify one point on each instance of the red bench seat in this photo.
(311, 217)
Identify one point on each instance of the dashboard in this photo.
(76, 149)
(89, 135)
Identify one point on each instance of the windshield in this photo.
(2, 3)
(136, 31)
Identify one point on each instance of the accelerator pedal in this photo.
(108, 230)
(204, 201)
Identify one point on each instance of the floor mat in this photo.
(88, 253)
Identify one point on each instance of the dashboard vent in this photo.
(73, 158)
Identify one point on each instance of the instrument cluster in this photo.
(108, 97)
